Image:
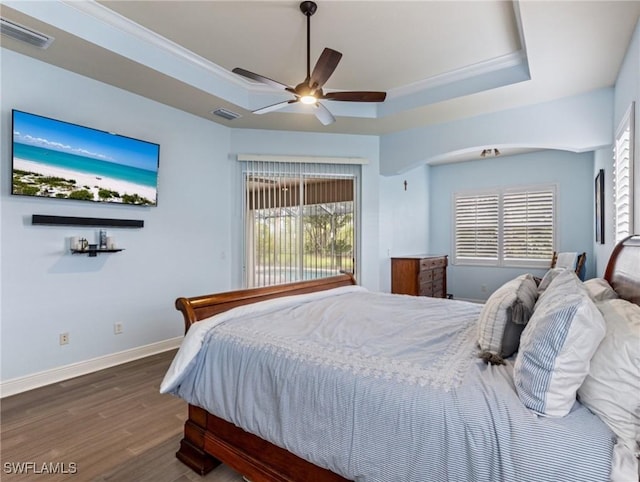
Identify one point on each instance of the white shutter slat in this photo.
(623, 177)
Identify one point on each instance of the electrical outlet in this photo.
(117, 328)
(64, 338)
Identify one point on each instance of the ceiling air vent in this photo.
(24, 34)
(225, 114)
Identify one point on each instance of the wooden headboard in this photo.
(201, 307)
(623, 269)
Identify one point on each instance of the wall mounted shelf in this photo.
(94, 252)
(45, 219)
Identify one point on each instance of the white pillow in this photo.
(600, 290)
(548, 278)
(611, 390)
(556, 347)
(504, 316)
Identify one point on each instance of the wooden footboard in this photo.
(209, 440)
(253, 457)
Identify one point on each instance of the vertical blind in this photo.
(300, 220)
(623, 178)
(506, 227)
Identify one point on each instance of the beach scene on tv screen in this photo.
(60, 160)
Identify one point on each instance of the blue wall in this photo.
(183, 247)
(627, 90)
(404, 218)
(571, 173)
(578, 124)
(190, 244)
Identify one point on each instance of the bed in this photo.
(318, 430)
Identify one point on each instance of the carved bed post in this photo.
(191, 451)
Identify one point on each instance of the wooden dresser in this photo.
(419, 275)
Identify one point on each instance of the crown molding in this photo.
(103, 14)
(460, 75)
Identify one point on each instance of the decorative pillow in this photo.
(548, 278)
(611, 390)
(600, 290)
(556, 347)
(554, 273)
(504, 316)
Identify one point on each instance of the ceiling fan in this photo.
(310, 91)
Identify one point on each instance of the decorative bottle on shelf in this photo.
(102, 239)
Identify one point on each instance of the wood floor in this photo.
(99, 427)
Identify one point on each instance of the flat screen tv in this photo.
(56, 159)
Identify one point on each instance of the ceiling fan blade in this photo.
(260, 78)
(364, 96)
(323, 114)
(271, 108)
(324, 67)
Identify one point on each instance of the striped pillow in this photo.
(556, 347)
(504, 316)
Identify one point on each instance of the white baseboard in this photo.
(55, 375)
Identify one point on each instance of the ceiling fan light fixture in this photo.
(489, 152)
(308, 99)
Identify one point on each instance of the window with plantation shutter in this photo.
(476, 227)
(623, 178)
(527, 225)
(507, 227)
